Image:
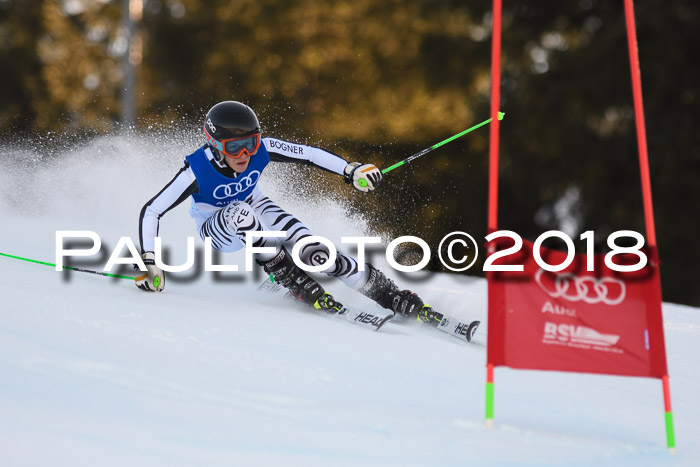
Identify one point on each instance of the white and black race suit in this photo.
(225, 205)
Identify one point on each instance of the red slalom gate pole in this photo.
(495, 106)
(633, 48)
(639, 119)
(493, 170)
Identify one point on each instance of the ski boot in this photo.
(301, 287)
(384, 291)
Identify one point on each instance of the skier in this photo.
(222, 176)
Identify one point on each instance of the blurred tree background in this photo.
(378, 81)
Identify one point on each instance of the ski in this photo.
(452, 326)
(376, 319)
(372, 321)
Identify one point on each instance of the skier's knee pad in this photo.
(240, 217)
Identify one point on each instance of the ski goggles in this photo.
(236, 147)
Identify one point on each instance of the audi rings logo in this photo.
(587, 288)
(232, 189)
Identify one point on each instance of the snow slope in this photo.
(95, 372)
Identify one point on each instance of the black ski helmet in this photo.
(229, 119)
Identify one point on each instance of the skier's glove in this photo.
(154, 279)
(364, 177)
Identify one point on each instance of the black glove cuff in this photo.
(148, 262)
(349, 176)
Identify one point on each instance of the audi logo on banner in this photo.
(232, 189)
(589, 289)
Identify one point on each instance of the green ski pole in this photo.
(69, 267)
(435, 146)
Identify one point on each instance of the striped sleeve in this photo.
(284, 151)
(175, 192)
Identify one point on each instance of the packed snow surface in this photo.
(210, 372)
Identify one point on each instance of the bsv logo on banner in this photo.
(232, 189)
(587, 288)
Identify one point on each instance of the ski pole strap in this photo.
(435, 146)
